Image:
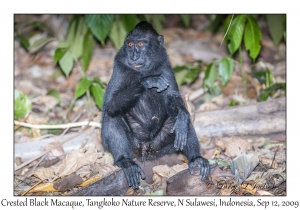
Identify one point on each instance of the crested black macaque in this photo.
(144, 115)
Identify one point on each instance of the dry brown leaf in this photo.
(259, 142)
(179, 167)
(83, 171)
(47, 187)
(75, 159)
(105, 158)
(56, 150)
(225, 191)
(248, 188)
(90, 180)
(217, 172)
(210, 154)
(234, 145)
(269, 162)
(44, 173)
(263, 192)
(221, 144)
(163, 171)
(108, 169)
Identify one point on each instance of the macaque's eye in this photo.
(140, 44)
(130, 44)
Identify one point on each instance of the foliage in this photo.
(244, 28)
(94, 85)
(222, 69)
(266, 77)
(188, 73)
(85, 30)
(22, 104)
(276, 24)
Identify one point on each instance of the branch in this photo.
(61, 126)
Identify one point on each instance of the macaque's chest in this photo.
(148, 115)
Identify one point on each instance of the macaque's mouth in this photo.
(137, 66)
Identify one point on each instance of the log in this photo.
(255, 119)
(183, 183)
(113, 184)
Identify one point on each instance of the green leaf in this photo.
(59, 53)
(187, 74)
(72, 30)
(100, 25)
(63, 44)
(76, 40)
(186, 19)
(192, 75)
(118, 34)
(179, 68)
(24, 42)
(37, 45)
(22, 104)
(226, 67)
(233, 103)
(260, 76)
(235, 33)
(180, 76)
(276, 27)
(158, 21)
(270, 80)
(98, 94)
(129, 21)
(270, 90)
(54, 93)
(41, 26)
(83, 85)
(211, 76)
(252, 37)
(66, 63)
(88, 48)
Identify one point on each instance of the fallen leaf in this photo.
(83, 171)
(234, 146)
(47, 187)
(44, 173)
(217, 172)
(56, 150)
(263, 192)
(90, 180)
(210, 154)
(248, 188)
(225, 192)
(75, 159)
(269, 162)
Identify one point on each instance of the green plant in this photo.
(222, 69)
(22, 104)
(188, 73)
(266, 77)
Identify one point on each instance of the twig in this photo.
(61, 126)
(226, 32)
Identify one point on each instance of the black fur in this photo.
(144, 116)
